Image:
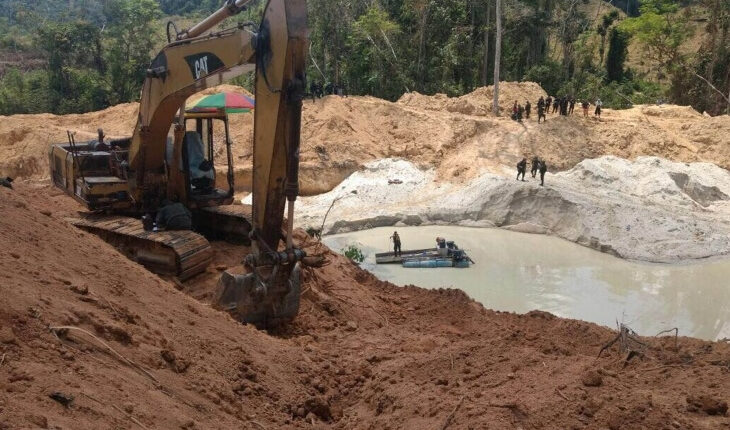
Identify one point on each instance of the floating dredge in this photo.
(447, 254)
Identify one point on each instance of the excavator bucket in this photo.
(267, 300)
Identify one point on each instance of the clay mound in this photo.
(459, 137)
(669, 111)
(479, 101)
(362, 353)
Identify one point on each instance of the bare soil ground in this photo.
(362, 354)
(460, 137)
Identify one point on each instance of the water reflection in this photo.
(520, 272)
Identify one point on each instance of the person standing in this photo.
(572, 105)
(543, 169)
(548, 103)
(585, 106)
(599, 105)
(514, 111)
(396, 244)
(313, 90)
(520, 112)
(521, 168)
(556, 104)
(534, 166)
(541, 114)
(528, 108)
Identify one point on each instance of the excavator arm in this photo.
(267, 292)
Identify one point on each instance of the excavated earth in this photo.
(89, 339)
(132, 350)
(459, 137)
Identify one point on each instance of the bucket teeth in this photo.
(246, 297)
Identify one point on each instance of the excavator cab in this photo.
(206, 160)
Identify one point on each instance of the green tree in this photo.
(373, 67)
(661, 29)
(130, 39)
(618, 48)
(74, 54)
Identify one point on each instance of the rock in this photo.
(351, 326)
(7, 335)
(707, 404)
(64, 399)
(319, 407)
(80, 290)
(592, 379)
(45, 212)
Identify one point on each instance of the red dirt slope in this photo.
(363, 353)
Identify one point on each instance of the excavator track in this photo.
(179, 253)
(228, 222)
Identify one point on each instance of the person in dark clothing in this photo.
(329, 88)
(520, 112)
(541, 102)
(543, 169)
(521, 168)
(564, 106)
(534, 166)
(313, 90)
(556, 104)
(514, 111)
(528, 108)
(396, 244)
(174, 216)
(548, 103)
(7, 182)
(585, 105)
(541, 114)
(572, 105)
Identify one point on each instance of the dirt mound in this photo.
(362, 354)
(459, 137)
(479, 101)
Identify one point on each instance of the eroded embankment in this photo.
(361, 354)
(458, 137)
(649, 209)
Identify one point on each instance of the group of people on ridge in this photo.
(537, 165)
(317, 90)
(564, 105)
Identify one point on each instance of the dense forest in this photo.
(68, 56)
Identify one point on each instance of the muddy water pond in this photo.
(520, 272)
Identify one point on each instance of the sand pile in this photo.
(362, 354)
(458, 137)
(479, 101)
(648, 209)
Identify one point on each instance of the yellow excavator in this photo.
(170, 157)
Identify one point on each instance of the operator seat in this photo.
(202, 174)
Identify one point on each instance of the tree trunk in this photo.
(497, 55)
(422, 47)
(485, 69)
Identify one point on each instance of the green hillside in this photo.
(634, 53)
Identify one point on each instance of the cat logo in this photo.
(203, 64)
(201, 67)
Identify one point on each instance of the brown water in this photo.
(521, 272)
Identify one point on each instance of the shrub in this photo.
(354, 253)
